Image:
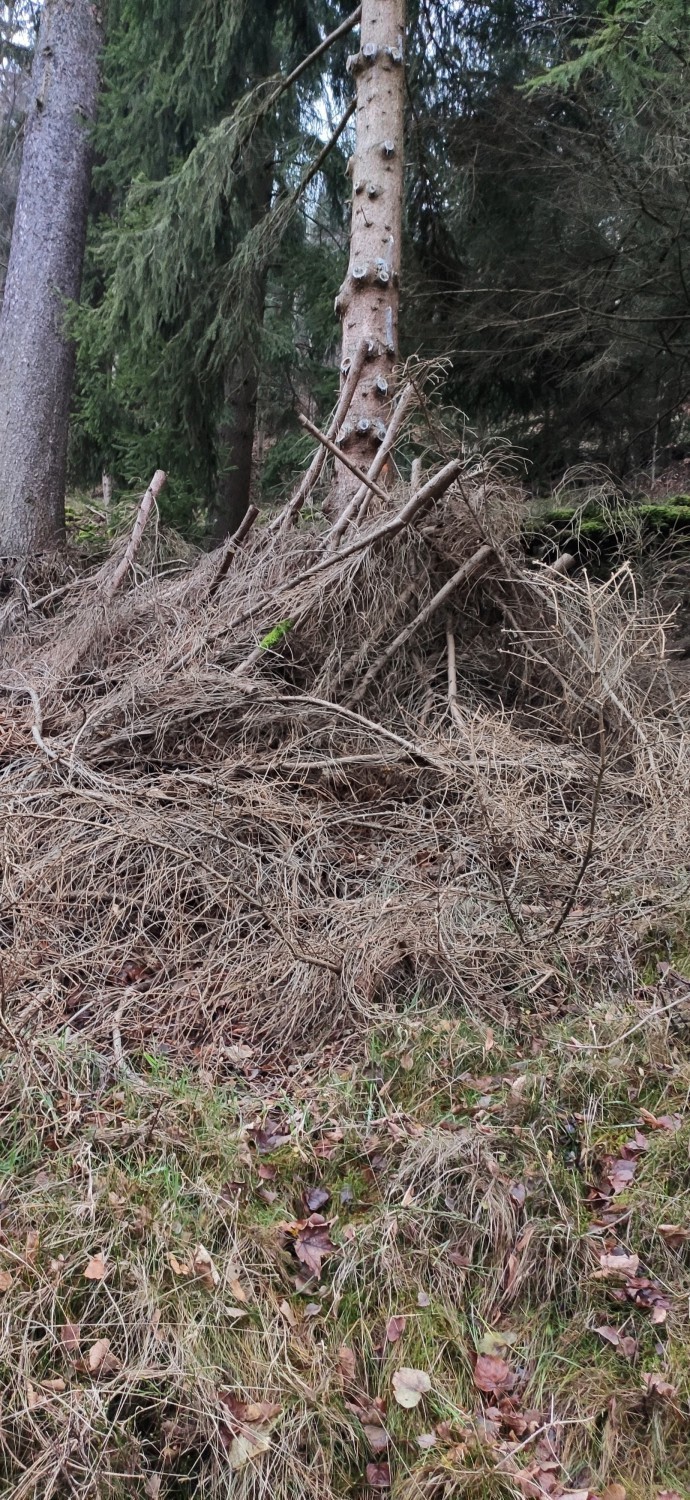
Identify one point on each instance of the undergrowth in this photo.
(209, 1287)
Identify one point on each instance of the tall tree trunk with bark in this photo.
(45, 268)
(368, 301)
(236, 430)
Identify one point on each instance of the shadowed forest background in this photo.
(545, 243)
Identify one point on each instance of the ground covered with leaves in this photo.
(452, 1261)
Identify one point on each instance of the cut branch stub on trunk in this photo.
(368, 300)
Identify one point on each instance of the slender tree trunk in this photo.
(237, 427)
(236, 444)
(45, 267)
(368, 301)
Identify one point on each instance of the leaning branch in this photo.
(138, 529)
(310, 479)
(474, 564)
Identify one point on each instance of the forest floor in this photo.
(344, 1056)
(449, 1257)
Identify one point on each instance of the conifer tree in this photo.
(45, 266)
(369, 299)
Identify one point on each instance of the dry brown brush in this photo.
(263, 793)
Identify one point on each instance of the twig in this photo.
(467, 571)
(342, 457)
(589, 850)
(134, 542)
(231, 547)
(308, 481)
(650, 1016)
(37, 726)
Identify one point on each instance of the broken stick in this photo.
(138, 529)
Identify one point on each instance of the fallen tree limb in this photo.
(342, 457)
(134, 543)
(310, 479)
(231, 547)
(473, 565)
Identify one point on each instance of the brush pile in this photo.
(257, 796)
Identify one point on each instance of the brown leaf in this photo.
(423, 1299)
(426, 1440)
(5, 1281)
(675, 1235)
(657, 1386)
(99, 1359)
(407, 1061)
(267, 1173)
(178, 1266)
(661, 1122)
(669, 1495)
(492, 1374)
(409, 1386)
(237, 1054)
(378, 1476)
(614, 1492)
(628, 1347)
(131, 972)
(394, 1328)
(237, 1290)
(620, 1174)
(246, 1446)
(59, 1385)
(31, 1246)
(270, 1136)
(619, 1263)
(316, 1198)
(204, 1269)
(518, 1193)
(347, 1363)
(611, 1335)
(287, 1313)
(262, 1411)
(96, 1268)
(313, 1244)
(70, 1337)
(376, 1436)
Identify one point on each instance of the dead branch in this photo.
(134, 543)
(342, 457)
(310, 479)
(231, 547)
(356, 509)
(473, 565)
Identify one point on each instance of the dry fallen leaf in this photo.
(619, 1263)
(204, 1269)
(177, 1265)
(409, 1386)
(675, 1235)
(614, 1492)
(70, 1336)
(31, 1246)
(96, 1268)
(313, 1243)
(493, 1375)
(99, 1359)
(407, 1061)
(237, 1290)
(423, 1299)
(316, 1198)
(657, 1386)
(376, 1436)
(394, 1328)
(5, 1281)
(426, 1440)
(378, 1476)
(238, 1053)
(347, 1364)
(58, 1386)
(246, 1446)
(286, 1312)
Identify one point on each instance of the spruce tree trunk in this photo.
(236, 445)
(368, 301)
(237, 427)
(45, 267)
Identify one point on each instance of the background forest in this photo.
(545, 252)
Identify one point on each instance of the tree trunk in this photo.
(368, 301)
(45, 267)
(236, 430)
(236, 445)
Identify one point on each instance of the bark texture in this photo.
(236, 445)
(45, 267)
(368, 301)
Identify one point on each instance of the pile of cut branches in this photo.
(258, 795)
